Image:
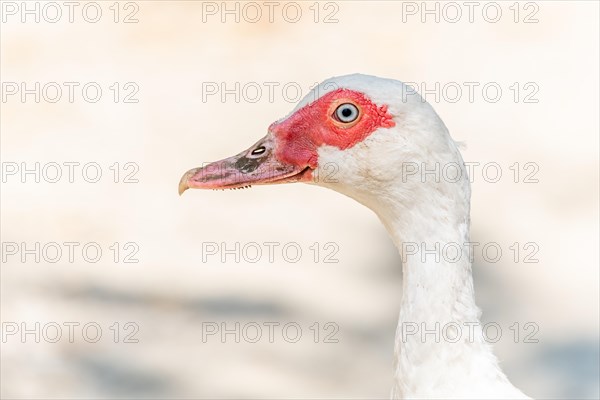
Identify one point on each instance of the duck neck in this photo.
(437, 280)
(439, 320)
(437, 285)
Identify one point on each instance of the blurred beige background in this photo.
(169, 54)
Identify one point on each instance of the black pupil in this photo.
(346, 112)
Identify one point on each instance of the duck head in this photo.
(356, 134)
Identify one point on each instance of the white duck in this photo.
(373, 140)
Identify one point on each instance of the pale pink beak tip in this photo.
(184, 181)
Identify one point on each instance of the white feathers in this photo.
(393, 172)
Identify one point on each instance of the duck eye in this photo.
(346, 112)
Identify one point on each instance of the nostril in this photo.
(259, 150)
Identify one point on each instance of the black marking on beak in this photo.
(246, 165)
(250, 162)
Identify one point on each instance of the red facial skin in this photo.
(290, 150)
(315, 124)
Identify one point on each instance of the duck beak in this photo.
(259, 165)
